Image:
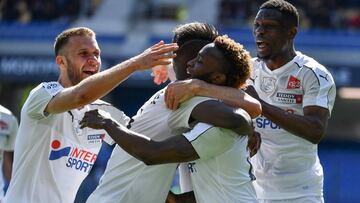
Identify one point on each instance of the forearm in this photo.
(97, 86)
(232, 96)
(172, 150)
(307, 127)
(188, 197)
(7, 165)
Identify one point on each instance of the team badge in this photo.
(267, 84)
(293, 83)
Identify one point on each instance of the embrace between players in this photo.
(203, 120)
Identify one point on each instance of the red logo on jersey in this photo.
(293, 83)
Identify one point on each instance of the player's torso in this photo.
(57, 154)
(125, 176)
(227, 177)
(285, 158)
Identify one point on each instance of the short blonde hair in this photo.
(62, 39)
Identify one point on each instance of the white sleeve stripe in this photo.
(199, 129)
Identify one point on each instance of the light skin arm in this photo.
(172, 150)
(181, 91)
(98, 85)
(7, 164)
(311, 126)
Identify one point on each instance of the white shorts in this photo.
(311, 199)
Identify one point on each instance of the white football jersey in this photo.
(53, 155)
(224, 172)
(128, 180)
(8, 130)
(288, 166)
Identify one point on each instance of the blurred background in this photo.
(329, 32)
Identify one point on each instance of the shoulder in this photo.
(4, 110)
(311, 67)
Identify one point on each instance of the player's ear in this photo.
(292, 32)
(60, 61)
(218, 78)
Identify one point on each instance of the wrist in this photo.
(108, 124)
(197, 87)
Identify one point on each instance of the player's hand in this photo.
(252, 92)
(95, 119)
(158, 54)
(180, 91)
(254, 143)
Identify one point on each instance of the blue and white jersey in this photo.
(53, 155)
(288, 166)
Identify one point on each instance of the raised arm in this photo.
(175, 149)
(98, 85)
(181, 91)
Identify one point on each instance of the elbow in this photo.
(317, 134)
(242, 120)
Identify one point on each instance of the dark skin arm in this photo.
(188, 197)
(219, 114)
(172, 150)
(7, 164)
(311, 126)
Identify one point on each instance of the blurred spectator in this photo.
(25, 11)
(322, 14)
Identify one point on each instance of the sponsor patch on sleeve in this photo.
(53, 88)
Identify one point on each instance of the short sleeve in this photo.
(209, 141)
(319, 89)
(40, 97)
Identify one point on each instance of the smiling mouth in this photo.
(261, 44)
(88, 72)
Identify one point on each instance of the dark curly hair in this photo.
(289, 12)
(238, 61)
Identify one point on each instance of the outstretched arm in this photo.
(181, 91)
(172, 150)
(100, 84)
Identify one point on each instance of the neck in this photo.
(274, 63)
(64, 82)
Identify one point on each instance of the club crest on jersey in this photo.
(289, 98)
(267, 84)
(77, 159)
(293, 83)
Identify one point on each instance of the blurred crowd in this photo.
(26, 11)
(326, 14)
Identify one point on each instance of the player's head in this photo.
(190, 37)
(223, 62)
(77, 54)
(275, 27)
